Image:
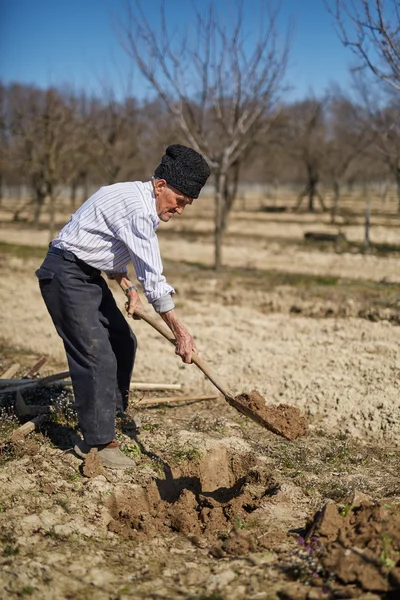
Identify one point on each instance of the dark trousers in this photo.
(98, 341)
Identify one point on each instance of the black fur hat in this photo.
(184, 169)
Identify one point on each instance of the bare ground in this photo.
(217, 507)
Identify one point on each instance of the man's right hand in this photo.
(185, 344)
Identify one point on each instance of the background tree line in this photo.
(53, 139)
(224, 98)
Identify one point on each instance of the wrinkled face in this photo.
(168, 200)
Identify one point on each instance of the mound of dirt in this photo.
(359, 542)
(283, 419)
(190, 501)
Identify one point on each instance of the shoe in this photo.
(109, 454)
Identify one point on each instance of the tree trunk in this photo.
(219, 219)
(312, 188)
(38, 204)
(85, 187)
(313, 181)
(72, 197)
(335, 203)
(398, 187)
(311, 194)
(52, 210)
(230, 192)
(367, 224)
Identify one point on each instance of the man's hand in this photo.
(185, 344)
(133, 299)
(133, 303)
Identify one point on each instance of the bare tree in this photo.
(43, 129)
(383, 112)
(349, 136)
(114, 128)
(371, 29)
(3, 137)
(220, 87)
(386, 123)
(80, 160)
(306, 141)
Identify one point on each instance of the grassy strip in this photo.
(22, 251)
(381, 294)
(376, 249)
(329, 290)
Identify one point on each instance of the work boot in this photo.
(110, 454)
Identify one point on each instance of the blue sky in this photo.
(74, 42)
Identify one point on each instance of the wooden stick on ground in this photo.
(19, 434)
(138, 385)
(10, 372)
(165, 400)
(134, 385)
(26, 384)
(36, 367)
(24, 380)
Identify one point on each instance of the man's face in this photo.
(168, 200)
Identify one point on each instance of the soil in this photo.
(217, 507)
(191, 502)
(282, 419)
(359, 542)
(92, 465)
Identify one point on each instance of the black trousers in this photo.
(98, 341)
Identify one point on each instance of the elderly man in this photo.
(113, 227)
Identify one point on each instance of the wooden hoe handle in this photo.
(208, 372)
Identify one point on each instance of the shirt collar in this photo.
(151, 198)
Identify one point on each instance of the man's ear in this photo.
(159, 185)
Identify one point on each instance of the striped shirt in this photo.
(118, 225)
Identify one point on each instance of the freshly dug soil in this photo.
(191, 502)
(359, 542)
(283, 419)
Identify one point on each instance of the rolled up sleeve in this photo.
(141, 240)
(121, 271)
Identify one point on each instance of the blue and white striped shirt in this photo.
(115, 226)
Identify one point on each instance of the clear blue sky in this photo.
(74, 42)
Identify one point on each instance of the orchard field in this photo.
(218, 508)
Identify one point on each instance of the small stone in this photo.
(296, 591)
(48, 488)
(30, 524)
(262, 558)
(220, 580)
(316, 594)
(169, 572)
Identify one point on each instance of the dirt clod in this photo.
(92, 466)
(283, 419)
(360, 541)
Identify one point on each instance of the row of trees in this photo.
(224, 98)
(51, 139)
(225, 95)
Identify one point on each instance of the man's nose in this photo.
(179, 209)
